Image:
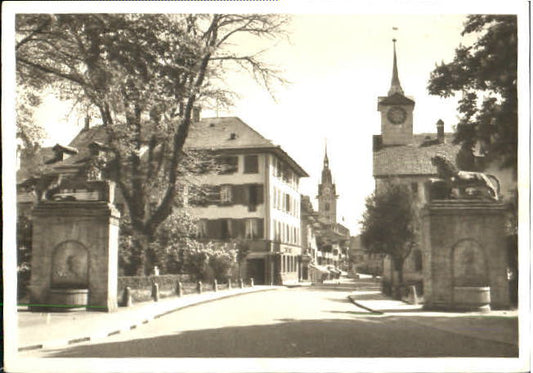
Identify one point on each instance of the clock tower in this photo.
(396, 111)
(327, 196)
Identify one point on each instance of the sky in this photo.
(337, 66)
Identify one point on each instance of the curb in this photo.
(364, 307)
(107, 332)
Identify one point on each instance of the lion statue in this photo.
(465, 184)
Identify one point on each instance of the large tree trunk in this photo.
(145, 257)
(397, 285)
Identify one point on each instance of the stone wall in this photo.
(464, 245)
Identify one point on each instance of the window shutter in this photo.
(239, 228)
(238, 194)
(260, 199)
(260, 228)
(214, 229)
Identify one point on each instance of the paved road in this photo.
(299, 322)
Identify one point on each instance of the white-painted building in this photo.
(253, 198)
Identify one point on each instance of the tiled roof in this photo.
(208, 133)
(216, 133)
(419, 138)
(231, 133)
(411, 159)
(81, 143)
(396, 99)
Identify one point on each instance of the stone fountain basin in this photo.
(67, 299)
(471, 298)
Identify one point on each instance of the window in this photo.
(414, 188)
(226, 228)
(251, 229)
(251, 164)
(228, 165)
(253, 193)
(225, 194)
(326, 207)
(287, 203)
(286, 173)
(202, 228)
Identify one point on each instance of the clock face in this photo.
(326, 190)
(396, 115)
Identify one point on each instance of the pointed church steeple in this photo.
(395, 86)
(327, 195)
(326, 160)
(326, 172)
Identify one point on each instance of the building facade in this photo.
(253, 199)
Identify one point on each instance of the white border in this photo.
(266, 365)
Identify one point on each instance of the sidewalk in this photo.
(376, 302)
(51, 330)
(498, 325)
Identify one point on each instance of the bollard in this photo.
(155, 291)
(199, 287)
(179, 289)
(229, 283)
(412, 297)
(252, 282)
(215, 285)
(241, 283)
(126, 297)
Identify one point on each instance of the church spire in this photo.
(326, 172)
(326, 160)
(395, 86)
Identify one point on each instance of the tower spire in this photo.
(326, 160)
(395, 86)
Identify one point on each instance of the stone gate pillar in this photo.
(74, 255)
(464, 255)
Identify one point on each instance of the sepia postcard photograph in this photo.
(266, 186)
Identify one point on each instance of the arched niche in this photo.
(469, 264)
(70, 266)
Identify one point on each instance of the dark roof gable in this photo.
(396, 99)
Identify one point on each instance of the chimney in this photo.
(196, 114)
(440, 131)
(87, 122)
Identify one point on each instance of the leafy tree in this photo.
(221, 262)
(485, 74)
(142, 75)
(390, 225)
(28, 132)
(24, 242)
